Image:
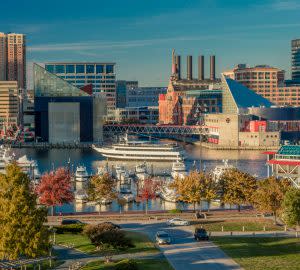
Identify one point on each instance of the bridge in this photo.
(110, 129)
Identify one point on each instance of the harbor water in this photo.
(253, 162)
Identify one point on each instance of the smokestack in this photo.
(212, 67)
(189, 64)
(178, 66)
(201, 67)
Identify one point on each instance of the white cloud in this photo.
(286, 5)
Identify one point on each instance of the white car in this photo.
(177, 222)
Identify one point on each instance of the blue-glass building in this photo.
(296, 60)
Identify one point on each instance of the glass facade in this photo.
(47, 84)
(100, 75)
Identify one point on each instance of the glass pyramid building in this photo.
(237, 97)
(47, 84)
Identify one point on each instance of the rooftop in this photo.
(291, 150)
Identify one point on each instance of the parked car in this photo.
(162, 237)
(200, 234)
(113, 224)
(71, 222)
(177, 222)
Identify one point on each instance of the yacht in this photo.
(142, 150)
(219, 170)
(167, 193)
(30, 167)
(178, 170)
(5, 158)
(141, 171)
(81, 178)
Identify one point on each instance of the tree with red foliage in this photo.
(147, 191)
(55, 188)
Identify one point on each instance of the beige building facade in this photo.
(9, 104)
(13, 58)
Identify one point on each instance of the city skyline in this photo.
(139, 36)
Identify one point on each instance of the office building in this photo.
(262, 79)
(9, 105)
(144, 96)
(102, 76)
(13, 58)
(137, 115)
(122, 87)
(65, 113)
(296, 60)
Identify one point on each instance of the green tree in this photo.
(194, 188)
(237, 187)
(291, 207)
(21, 221)
(269, 195)
(101, 189)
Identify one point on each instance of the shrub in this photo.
(175, 211)
(105, 236)
(71, 228)
(127, 264)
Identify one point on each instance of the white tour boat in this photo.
(81, 181)
(167, 193)
(142, 150)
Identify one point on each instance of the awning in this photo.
(284, 162)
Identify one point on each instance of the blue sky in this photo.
(139, 35)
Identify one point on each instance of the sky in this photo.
(138, 35)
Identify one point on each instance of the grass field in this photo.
(142, 265)
(262, 253)
(81, 242)
(232, 225)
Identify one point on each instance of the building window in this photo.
(80, 69)
(90, 69)
(99, 69)
(70, 69)
(60, 69)
(109, 69)
(50, 68)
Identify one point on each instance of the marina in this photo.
(86, 162)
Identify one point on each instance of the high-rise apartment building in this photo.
(262, 79)
(296, 60)
(102, 76)
(9, 104)
(13, 58)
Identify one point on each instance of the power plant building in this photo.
(65, 113)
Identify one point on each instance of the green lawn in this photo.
(149, 264)
(231, 225)
(81, 242)
(262, 253)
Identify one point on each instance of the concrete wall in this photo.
(259, 138)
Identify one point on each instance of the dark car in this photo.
(113, 224)
(71, 222)
(201, 234)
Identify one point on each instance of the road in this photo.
(184, 252)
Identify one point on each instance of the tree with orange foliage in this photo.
(55, 188)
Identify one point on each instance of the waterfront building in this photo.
(249, 120)
(13, 58)
(9, 105)
(100, 75)
(187, 99)
(296, 60)
(285, 163)
(144, 96)
(262, 79)
(137, 115)
(122, 87)
(65, 113)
